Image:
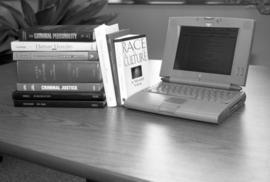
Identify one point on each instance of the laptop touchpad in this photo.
(175, 100)
(171, 104)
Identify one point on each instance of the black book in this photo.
(81, 33)
(54, 95)
(59, 103)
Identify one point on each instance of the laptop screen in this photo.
(206, 49)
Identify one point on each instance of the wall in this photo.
(152, 21)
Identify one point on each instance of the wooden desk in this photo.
(126, 145)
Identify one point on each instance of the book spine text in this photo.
(53, 46)
(57, 103)
(72, 56)
(51, 95)
(28, 35)
(63, 87)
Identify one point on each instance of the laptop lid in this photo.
(212, 51)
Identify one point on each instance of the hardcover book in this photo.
(59, 103)
(104, 59)
(52, 46)
(51, 71)
(80, 33)
(110, 38)
(132, 64)
(53, 95)
(59, 55)
(60, 87)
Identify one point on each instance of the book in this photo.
(71, 55)
(59, 103)
(104, 59)
(132, 64)
(80, 33)
(60, 87)
(110, 38)
(52, 95)
(52, 46)
(51, 71)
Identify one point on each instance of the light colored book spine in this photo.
(76, 56)
(52, 46)
(104, 59)
(66, 87)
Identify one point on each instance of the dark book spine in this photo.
(59, 103)
(56, 35)
(59, 55)
(111, 51)
(51, 71)
(51, 95)
(60, 87)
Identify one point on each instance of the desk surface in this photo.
(118, 143)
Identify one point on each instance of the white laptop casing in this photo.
(194, 109)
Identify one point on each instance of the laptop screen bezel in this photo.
(241, 53)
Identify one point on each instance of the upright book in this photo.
(111, 49)
(80, 33)
(104, 59)
(132, 64)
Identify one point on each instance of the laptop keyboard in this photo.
(194, 92)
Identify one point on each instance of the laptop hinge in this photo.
(203, 84)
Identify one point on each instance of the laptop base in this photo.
(184, 108)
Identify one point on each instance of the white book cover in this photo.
(104, 59)
(132, 64)
(52, 46)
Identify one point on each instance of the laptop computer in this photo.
(204, 65)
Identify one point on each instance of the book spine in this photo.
(60, 87)
(52, 71)
(114, 70)
(73, 56)
(34, 35)
(111, 49)
(53, 46)
(119, 54)
(61, 103)
(105, 65)
(50, 95)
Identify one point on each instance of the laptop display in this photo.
(206, 49)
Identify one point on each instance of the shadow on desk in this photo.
(12, 169)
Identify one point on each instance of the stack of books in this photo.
(58, 66)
